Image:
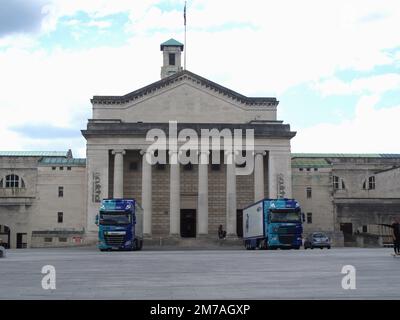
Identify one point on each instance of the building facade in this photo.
(52, 199)
(192, 199)
(42, 199)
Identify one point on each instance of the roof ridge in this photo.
(172, 78)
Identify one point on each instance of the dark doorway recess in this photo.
(188, 223)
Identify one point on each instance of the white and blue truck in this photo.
(273, 224)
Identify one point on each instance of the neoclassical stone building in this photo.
(183, 200)
(51, 198)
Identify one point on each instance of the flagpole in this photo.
(184, 16)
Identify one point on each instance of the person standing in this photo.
(396, 236)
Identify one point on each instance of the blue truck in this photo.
(273, 224)
(120, 224)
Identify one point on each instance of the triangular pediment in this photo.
(185, 97)
(181, 76)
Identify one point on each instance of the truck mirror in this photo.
(97, 220)
(303, 217)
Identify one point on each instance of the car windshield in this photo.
(110, 218)
(285, 215)
(319, 235)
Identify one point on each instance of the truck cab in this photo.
(120, 224)
(273, 224)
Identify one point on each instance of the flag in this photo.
(184, 14)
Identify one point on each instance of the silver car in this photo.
(317, 240)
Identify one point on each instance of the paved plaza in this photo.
(85, 273)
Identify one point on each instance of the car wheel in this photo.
(329, 247)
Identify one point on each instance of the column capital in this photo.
(171, 152)
(115, 151)
(231, 152)
(262, 152)
(200, 152)
(143, 151)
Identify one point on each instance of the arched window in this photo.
(14, 181)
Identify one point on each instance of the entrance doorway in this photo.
(5, 237)
(21, 240)
(239, 223)
(347, 229)
(188, 223)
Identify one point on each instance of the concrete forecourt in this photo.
(233, 273)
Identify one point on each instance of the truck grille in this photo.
(286, 239)
(114, 240)
(287, 230)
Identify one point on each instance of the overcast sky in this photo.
(333, 64)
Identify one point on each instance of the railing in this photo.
(16, 192)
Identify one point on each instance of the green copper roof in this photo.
(33, 153)
(171, 43)
(309, 163)
(63, 161)
(345, 155)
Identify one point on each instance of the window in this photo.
(171, 58)
(62, 239)
(335, 182)
(69, 168)
(371, 182)
(53, 168)
(60, 217)
(315, 169)
(133, 166)
(1, 183)
(48, 239)
(308, 169)
(309, 192)
(364, 229)
(60, 192)
(215, 167)
(61, 168)
(188, 167)
(300, 169)
(343, 185)
(309, 217)
(12, 181)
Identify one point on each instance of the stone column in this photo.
(118, 173)
(230, 194)
(174, 198)
(202, 202)
(259, 175)
(146, 194)
(272, 183)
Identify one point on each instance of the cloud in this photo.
(377, 84)
(261, 48)
(102, 24)
(20, 16)
(45, 131)
(371, 130)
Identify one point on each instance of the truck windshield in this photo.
(110, 218)
(285, 215)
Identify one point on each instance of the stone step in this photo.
(193, 242)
